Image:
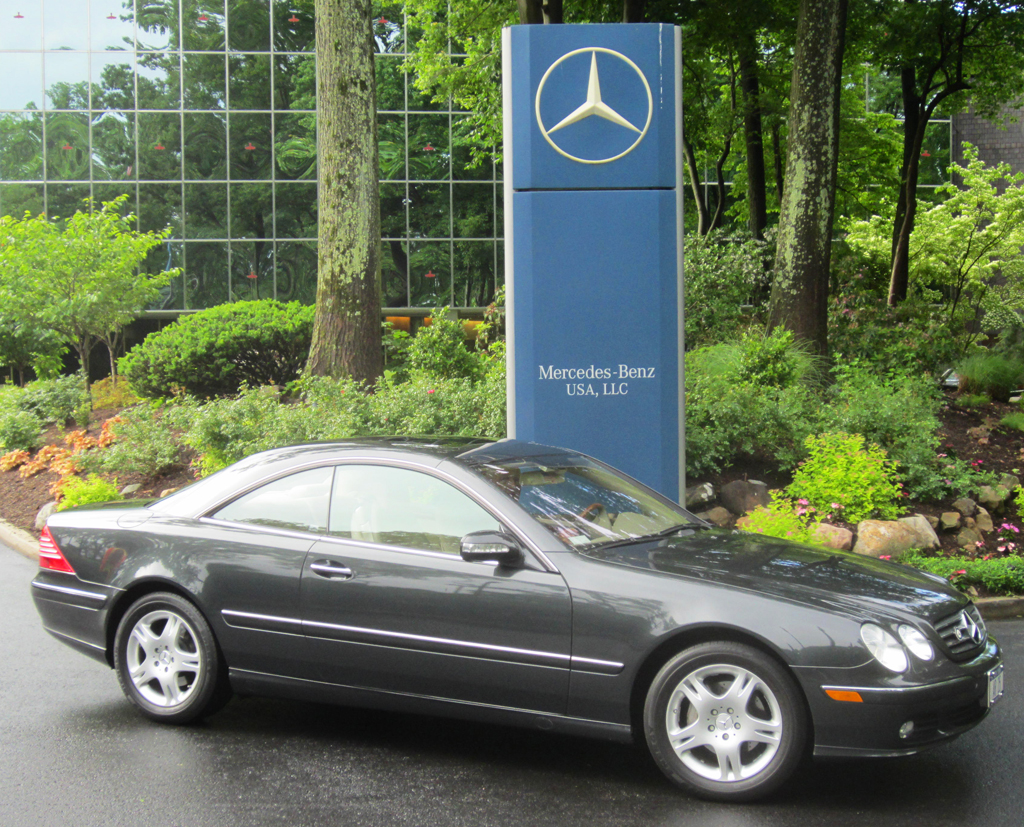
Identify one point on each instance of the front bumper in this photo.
(938, 710)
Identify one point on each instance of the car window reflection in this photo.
(298, 502)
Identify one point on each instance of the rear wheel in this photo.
(725, 722)
(167, 660)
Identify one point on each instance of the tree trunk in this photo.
(800, 285)
(757, 200)
(914, 122)
(346, 324)
(703, 222)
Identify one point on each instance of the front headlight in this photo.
(916, 642)
(884, 647)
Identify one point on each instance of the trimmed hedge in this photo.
(215, 352)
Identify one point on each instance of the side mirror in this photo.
(490, 546)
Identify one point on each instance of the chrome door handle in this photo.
(330, 569)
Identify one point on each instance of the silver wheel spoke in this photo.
(164, 667)
(730, 764)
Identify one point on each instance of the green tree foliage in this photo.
(79, 278)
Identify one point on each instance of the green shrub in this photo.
(19, 430)
(784, 518)
(145, 443)
(431, 406)
(974, 400)
(58, 400)
(440, 350)
(105, 394)
(77, 491)
(992, 374)
(215, 352)
(841, 469)
(999, 575)
(1013, 420)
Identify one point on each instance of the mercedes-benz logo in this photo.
(967, 629)
(594, 105)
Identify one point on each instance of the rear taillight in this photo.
(50, 555)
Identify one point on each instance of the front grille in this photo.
(962, 633)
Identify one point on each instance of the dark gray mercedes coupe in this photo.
(518, 584)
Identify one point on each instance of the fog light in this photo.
(907, 729)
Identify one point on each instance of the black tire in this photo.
(167, 660)
(725, 722)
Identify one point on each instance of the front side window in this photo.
(298, 502)
(401, 507)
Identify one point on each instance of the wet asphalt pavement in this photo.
(74, 754)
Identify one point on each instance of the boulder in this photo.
(949, 521)
(969, 538)
(833, 536)
(983, 520)
(1009, 481)
(926, 536)
(167, 492)
(741, 496)
(697, 495)
(966, 506)
(891, 538)
(992, 498)
(44, 514)
(932, 521)
(718, 516)
(128, 490)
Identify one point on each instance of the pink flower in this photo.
(941, 456)
(432, 391)
(836, 506)
(803, 502)
(885, 557)
(980, 544)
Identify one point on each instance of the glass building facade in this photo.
(202, 112)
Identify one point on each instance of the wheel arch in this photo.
(127, 598)
(684, 639)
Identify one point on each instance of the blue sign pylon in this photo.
(593, 243)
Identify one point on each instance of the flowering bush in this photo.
(783, 517)
(1009, 539)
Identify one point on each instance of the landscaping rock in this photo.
(697, 495)
(932, 521)
(891, 538)
(992, 498)
(950, 520)
(741, 496)
(44, 514)
(718, 516)
(926, 536)
(966, 506)
(969, 538)
(1009, 481)
(983, 521)
(128, 490)
(167, 492)
(833, 536)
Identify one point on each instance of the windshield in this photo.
(583, 502)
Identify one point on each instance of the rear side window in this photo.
(298, 502)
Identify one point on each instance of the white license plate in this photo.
(995, 684)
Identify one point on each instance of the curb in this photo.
(1000, 608)
(19, 540)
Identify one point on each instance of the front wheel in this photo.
(725, 722)
(167, 660)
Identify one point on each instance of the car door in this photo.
(390, 604)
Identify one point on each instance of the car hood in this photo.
(838, 580)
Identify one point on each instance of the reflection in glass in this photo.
(67, 146)
(429, 211)
(295, 82)
(393, 203)
(65, 76)
(165, 257)
(388, 33)
(249, 25)
(157, 25)
(206, 210)
(111, 26)
(17, 199)
(252, 270)
(430, 274)
(295, 146)
(473, 273)
(206, 273)
(21, 147)
(204, 25)
(295, 210)
(394, 276)
(160, 207)
(206, 146)
(22, 87)
(64, 200)
(252, 214)
(65, 24)
(25, 32)
(113, 80)
(429, 152)
(205, 83)
(294, 26)
(391, 146)
(249, 81)
(159, 146)
(113, 146)
(159, 80)
(390, 83)
(250, 148)
(473, 210)
(102, 193)
(295, 279)
(935, 155)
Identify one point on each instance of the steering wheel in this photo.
(594, 509)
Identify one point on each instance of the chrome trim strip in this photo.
(100, 598)
(556, 659)
(597, 667)
(896, 689)
(262, 623)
